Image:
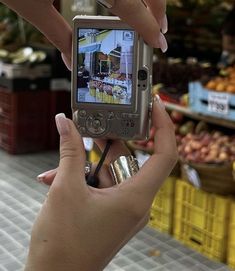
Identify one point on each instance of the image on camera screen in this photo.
(105, 66)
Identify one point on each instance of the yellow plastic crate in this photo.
(201, 220)
(94, 156)
(161, 216)
(231, 238)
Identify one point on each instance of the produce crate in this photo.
(94, 155)
(213, 178)
(201, 219)
(21, 84)
(161, 216)
(24, 125)
(212, 103)
(231, 238)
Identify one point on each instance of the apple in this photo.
(176, 116)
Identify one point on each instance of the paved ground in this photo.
(20, 200)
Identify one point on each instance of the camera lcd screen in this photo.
(105, 66)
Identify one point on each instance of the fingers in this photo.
(104, 176)
(67, 60)
(158, 9)
(150, 177)
(57, 30)
(138, 16)
(47, 177)
(72, 153)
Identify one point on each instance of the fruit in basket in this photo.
(207, 148)
(221, 86)
(187, 128)
(223, 83)
(176, 116)
(200, 127)
(184, 100)
(211, 84)
(231, 88)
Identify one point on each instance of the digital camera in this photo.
(111, 79)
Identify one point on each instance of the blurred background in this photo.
(192, 222)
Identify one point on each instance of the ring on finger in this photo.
(123, 168)
(88, 167)
(106, 4)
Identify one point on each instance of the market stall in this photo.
(108, 65)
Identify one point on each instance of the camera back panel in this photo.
(112, 79)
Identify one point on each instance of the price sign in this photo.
(218, 103)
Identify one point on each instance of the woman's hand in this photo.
(82, 228)
(148, 19)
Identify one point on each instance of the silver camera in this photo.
(112, 79)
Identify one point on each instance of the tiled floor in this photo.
(20, 200)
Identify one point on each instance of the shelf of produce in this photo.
(187, 112)
(113, 81)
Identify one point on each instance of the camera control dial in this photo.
(96, 125)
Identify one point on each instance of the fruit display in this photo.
(98, 84)
(196, 142)
(223, 83)
(207, 147)
(25, 55)
(119, 92)
(108, 89)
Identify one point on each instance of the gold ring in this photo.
(123, 168)
(106, 4)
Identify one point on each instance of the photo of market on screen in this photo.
(105, 62)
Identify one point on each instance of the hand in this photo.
(41, 13)
(148, 17)
(82, 228)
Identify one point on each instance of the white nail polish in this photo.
(164, 25)
(163, 43)
(159, 100)
(40, 177)
(62, 124)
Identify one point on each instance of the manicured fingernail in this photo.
(163, 43)
(62, 124)
(158, 100)
(164, 25)
(42, 176)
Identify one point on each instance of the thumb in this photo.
(72, 152)
(67, 61)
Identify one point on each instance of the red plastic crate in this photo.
(24, 120)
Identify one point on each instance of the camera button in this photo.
(99, 115)
(111, 115)
(124, 115)
(133, 116)
(96, 123)
(82, 113)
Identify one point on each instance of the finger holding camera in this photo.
(146, 17)
(150, 22)
(81, 227)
